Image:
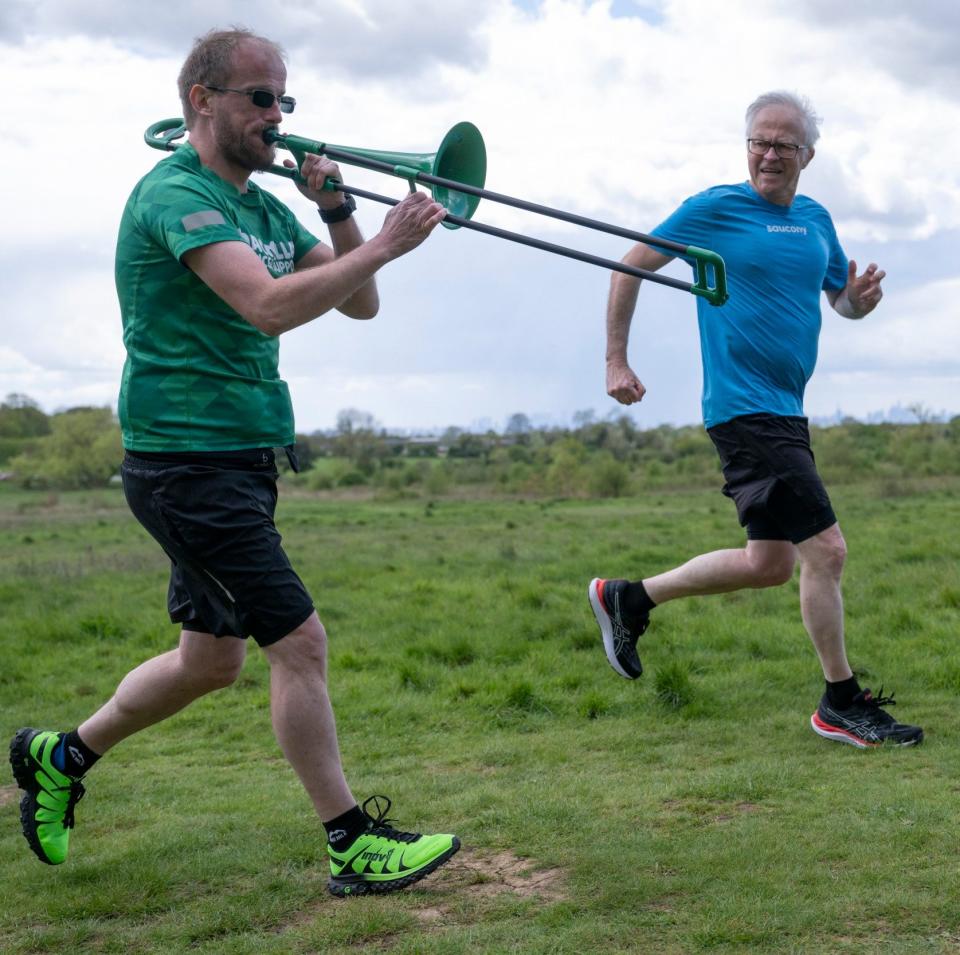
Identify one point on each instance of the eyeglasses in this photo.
(760, 147)
(263, 99)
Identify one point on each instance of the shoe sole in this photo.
(844, 736)
(345, 886)
(20, 763)
(20, 759)
(606, 630)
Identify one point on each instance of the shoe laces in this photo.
(872, 704)
(76, 794)
(381, 824)
(875, 702)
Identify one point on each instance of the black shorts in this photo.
(772, 477)
(214, 518)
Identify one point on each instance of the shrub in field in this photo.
(83, 450)
(566, 475)
(608, 477)
(437, 482)
(21, 417)
(327, 473)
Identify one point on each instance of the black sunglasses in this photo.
(263, 99)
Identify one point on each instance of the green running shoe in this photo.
(46, 810)
(383, 859)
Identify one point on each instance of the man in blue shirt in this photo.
(759, 351)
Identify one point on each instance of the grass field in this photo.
(691, 811)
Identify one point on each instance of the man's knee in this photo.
(213, 665)
(773, 572)
(771, 563)
(826, 552)
(222, 673)
(303, 649)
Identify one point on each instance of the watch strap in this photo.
(341, 213)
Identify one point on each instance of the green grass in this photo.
(692, 811)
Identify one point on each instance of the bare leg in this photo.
(821, 602)
(759, 564)
(163, 685)
(768, 564)
(303, 718)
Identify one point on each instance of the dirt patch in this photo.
(484, 875)
(472, 875)
(9, 794)
(740, 807)
(703, 812)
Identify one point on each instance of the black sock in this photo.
(72, 756)
(841, 694)
(636, 600)
(346, 827)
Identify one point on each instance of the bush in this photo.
(83, 450)
(609, 477)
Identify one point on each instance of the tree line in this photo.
(609, 457)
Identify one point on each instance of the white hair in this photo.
(808, 117)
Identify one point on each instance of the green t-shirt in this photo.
(198, 376)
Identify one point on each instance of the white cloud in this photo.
(914, 331)
(358, 38)
(614, 117)
(12, 363)
(905, 353)
(917, 42)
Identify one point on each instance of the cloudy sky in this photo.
(614, 109)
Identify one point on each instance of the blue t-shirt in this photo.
(760, 348)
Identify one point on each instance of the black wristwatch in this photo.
(340, 213)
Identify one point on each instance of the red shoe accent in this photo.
(838, 731)
(600, 585)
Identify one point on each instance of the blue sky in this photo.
(616, 111)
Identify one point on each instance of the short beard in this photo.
(237, 151)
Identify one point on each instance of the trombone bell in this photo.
(461, 157)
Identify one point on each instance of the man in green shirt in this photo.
(210, 271)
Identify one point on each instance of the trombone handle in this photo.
(706, 291)
(708, 263)
(711, 271)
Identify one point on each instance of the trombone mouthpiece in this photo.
(271, 134)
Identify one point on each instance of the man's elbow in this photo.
(363, 310)
(364, 315)
(264, 321)
(268, 318)
(271, 318)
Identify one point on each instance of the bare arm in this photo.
(622, 383)
(861, 295)
(236, 274)
(325, 278)
(345, 236)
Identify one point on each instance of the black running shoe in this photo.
(864, 723)
(620, 633)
